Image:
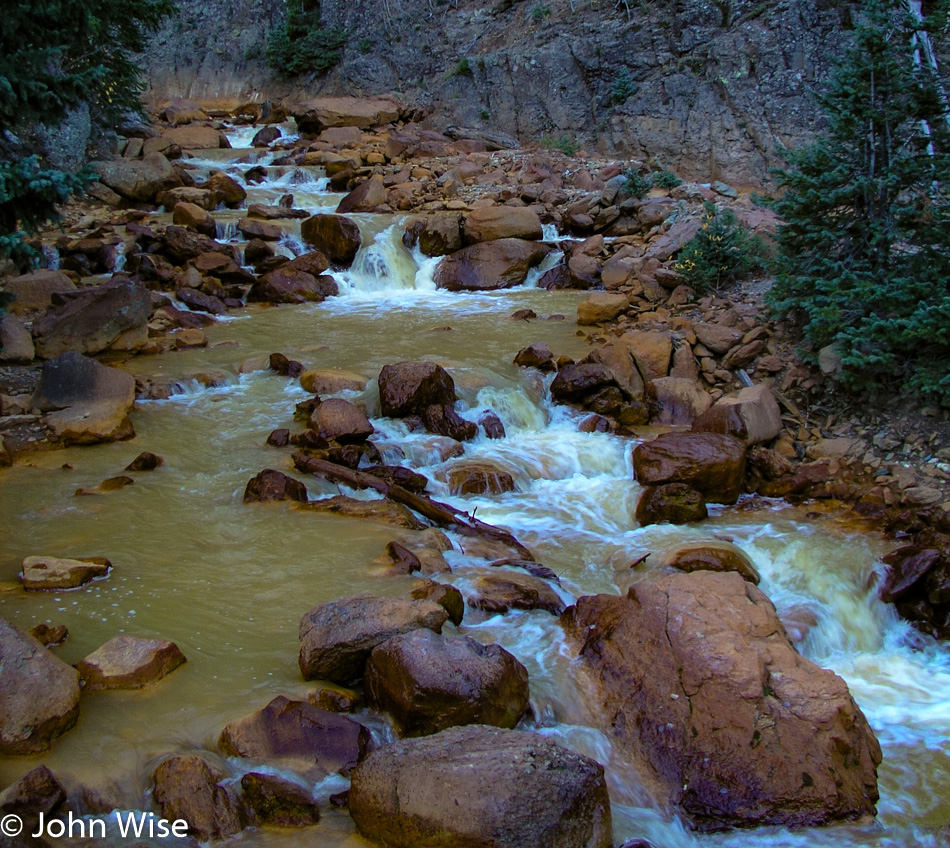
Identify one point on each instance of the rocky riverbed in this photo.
(565, 528)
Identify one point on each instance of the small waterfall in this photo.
(225, 230)
(385, 265)
(50, 257)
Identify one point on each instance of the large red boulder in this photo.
(336, 236)
(481, 787)
(409, 388)
(712, 463)
(698, 687)
(428, 682)
(490, 265)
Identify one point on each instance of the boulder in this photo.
(225, 190)
(673, 240)
(274, 213)
(366, 197)
(95, 319)
(537, 355)
(194, 216)
(678, 400)
(315, 114)
(718, 338)
(265, 137)
(601, 307)
(703, 693)
(711, 556)
(183, 111)
(181, 244)
(277, 802)
(675, 503)
(16, 343)
(87, 402)
(409, 388)
(270, 485)
(141, 180)
(481, 787)
(337, 638)
(573, 382)
(651, 350)
(479, 478)
(252, 228)
(189, 788)
(488, 266)
(337, 237)
(447, 597)
(440, 234)
(487, 223)
(622, 366)
(445, 421)
(329, 381)
(200, 197)
(385, 511)
(292, 285)
(129, 662)
(195, 137)
(48, 574)
(297, 734)
(499, 593)
(38, 791)
(39, 698)
(711, 463)
(34, 291)
(752, 415)
(342, 421)
(428, 682)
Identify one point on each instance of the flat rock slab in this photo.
(297, 732)
(698, 687)
(337, 638)
(480, 787)
(47, 574)
(39, 695)
(127, 662)
(499, 593)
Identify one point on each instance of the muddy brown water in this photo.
(228, 582)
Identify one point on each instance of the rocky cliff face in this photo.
(708, 88)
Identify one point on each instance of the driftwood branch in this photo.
(437, 512)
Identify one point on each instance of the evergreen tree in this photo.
(864, 255)
(55, 54)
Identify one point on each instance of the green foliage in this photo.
(484, 114)
(54, 55)
(721, 253)
(565, 144)
(540, 12)
(365, 45)
(637, 184)
(622, 88)
(301, 45)
(665, 179)
(864, 255)
(463, 68)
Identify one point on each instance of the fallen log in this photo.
(437, 512)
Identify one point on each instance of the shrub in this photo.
(665, 179)
(565, 144)
(301, 45)
(721, 253)
(540, 12)
(463, 68)
(622, 88)
(637, 184)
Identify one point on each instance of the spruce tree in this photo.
(864, 255)
(55, 54)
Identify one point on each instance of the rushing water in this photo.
(228, 582)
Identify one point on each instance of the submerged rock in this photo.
(480, 787)
(479, 478)
(676, 503)
(499, 593)
(278, 802)
(712, 556)
(337, 638)
(39, 697)
(428, 682)
(270, 485)
(48, 574)
(700, 688)
(297, 733)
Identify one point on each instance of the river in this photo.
(228, 582)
